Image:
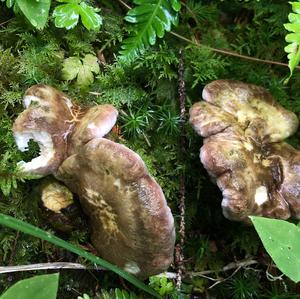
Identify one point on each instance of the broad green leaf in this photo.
(90, 19)
(282, 241)
(91, 61)
(37, 287)
(36, 11)
(85, 76)
(71, 67)
(66, 16)
(27, 228)
(151, 18)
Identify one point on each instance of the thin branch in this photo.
(46, 266)
(5, 22)
(221, 51)
(124, 4)
(230, 53)
(230, 266)
(179, 255)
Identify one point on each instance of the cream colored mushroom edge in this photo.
(131, 223)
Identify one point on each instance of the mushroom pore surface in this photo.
(132, 225)
(244, 152)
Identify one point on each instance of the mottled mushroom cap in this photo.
(132, 226)
(243, 151)
(254, 109)
(45, 120)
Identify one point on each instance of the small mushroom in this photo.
(132, 226)
(58, 206)
(244, 152)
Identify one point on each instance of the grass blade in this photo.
(27, 228)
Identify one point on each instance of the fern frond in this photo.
(293, 49)
(151, 18)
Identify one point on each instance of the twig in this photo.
(46, 266)
(179, 247)
(224, 279)
(3, 23)
(124, 4)
(230, 53)
(221, 51)
(230, 266)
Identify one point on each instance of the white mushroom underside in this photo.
(45, 143)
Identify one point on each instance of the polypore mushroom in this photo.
(132, 226)
(243, 151)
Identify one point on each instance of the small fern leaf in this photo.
(151, 18)
(293, 49)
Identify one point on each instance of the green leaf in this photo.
(282, 241)
(91, 61)
(67, 15)
(37, 287)
(27, 228)
(36, 11)
(85, 76)
(151, 18)
(90, 19)
(71, 67)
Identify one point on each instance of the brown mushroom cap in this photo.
(45, 120)
(243, 151)
(132, 226)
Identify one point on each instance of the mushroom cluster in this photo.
(132, 226)
(244, 152)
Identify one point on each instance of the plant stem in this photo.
(179, 247)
